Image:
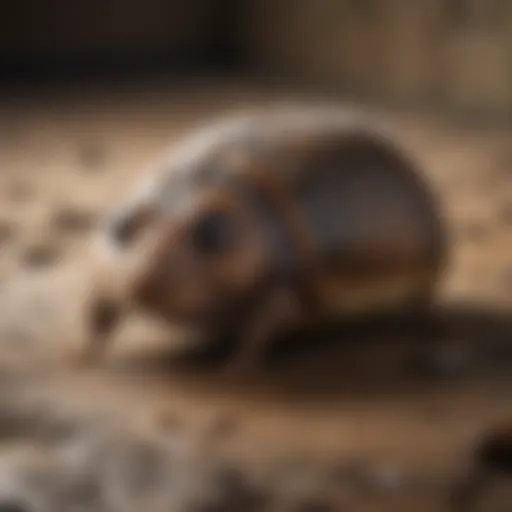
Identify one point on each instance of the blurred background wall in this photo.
(61, 38)
(443, 53)
(450, 52)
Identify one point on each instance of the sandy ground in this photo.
(334, 426)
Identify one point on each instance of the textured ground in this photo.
(333, 427)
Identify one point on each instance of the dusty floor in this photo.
(337, 427)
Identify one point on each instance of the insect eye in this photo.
(215, 232)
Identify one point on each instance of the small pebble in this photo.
(40, 256)
(104, 314)
(18, 421)
(14, 424)
(73, 220)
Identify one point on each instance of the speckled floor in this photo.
(334, 426)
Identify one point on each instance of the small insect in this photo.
(269, 220)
